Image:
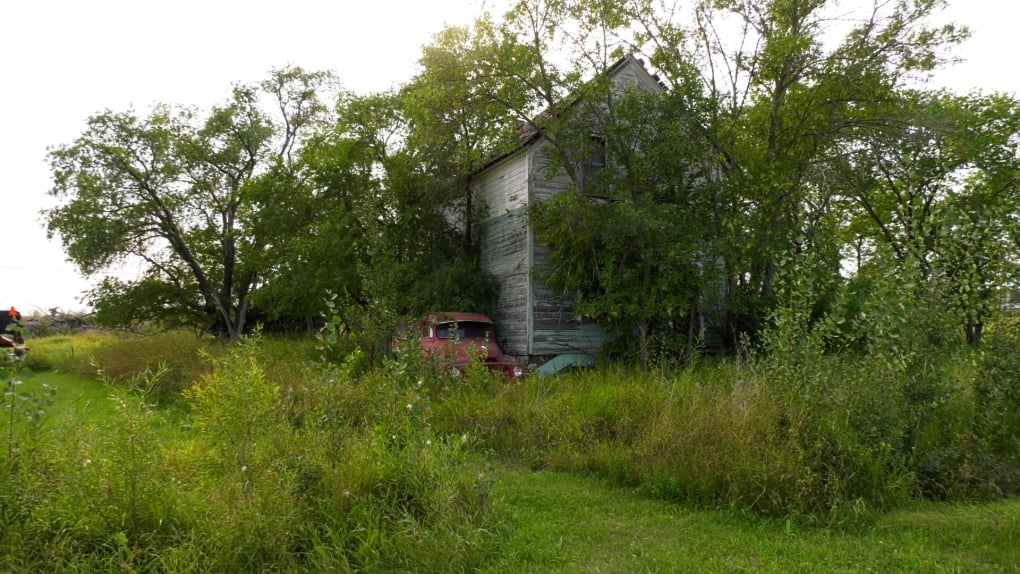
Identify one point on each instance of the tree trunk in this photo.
(974, 332)
(642, 332)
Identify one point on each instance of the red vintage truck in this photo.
(459, 338)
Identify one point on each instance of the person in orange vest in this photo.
(13, 318)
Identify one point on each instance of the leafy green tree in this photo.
(771, 100)
(319, 232)
(799, 95)
(625, 244)
(936, 190)
(635, 251)
(789, 78)
(456, 121)
(174, 190)
(422, 255)
(381, 223)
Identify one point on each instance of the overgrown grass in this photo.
(243, 485)
(67, 353)
(182, 356)
(119, 357)
(829, 438)
(709, 436)
(270, 462)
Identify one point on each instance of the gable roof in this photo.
(528, 132)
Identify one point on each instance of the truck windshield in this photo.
(463, 330)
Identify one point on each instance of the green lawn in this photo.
(74, 393)
(86, 399)
(556, 522)
(565, 523)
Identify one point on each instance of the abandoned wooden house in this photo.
(536, 323)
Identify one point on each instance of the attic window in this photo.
(594, 163)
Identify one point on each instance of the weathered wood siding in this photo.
(532, 319)
(630, 74)
(503, 189)
(554, 328)
(543, 182)
(504, 255)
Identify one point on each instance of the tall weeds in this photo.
(353, 480)
(830, 424)
(281, 465)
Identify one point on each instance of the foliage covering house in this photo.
(536, 321)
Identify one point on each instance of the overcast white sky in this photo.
(64, 60)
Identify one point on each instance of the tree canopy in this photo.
(174, 189)
(789, 98)
(783, 137)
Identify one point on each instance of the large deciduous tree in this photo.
(789, 79)
(626, 244)
(176, 190)
(634, 248)
(385, 216)
(935, 190)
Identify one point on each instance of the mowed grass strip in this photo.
(73, 394)
(557, 522)
(80, 400)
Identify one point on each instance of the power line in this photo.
(37, 269)
(47, 270)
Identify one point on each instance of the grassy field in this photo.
(549, 521)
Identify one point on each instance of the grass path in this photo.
(564, 523)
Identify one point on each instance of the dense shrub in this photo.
(995, 442)
(908, 411)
